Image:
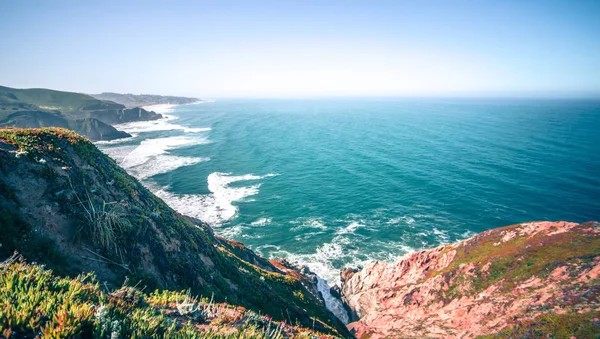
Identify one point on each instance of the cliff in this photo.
(39, 107)
(92, 128)
(66, 205)
(140, 100)
(530, 280)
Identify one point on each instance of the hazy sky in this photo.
(304, 48)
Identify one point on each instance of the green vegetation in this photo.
(48, 99)
(84, 214)
(35, 302)
(563, 326)
(494, 260)
(37, 107)
(104, 224)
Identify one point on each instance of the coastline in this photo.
(324, 282)
(166, 108)
(160, 108)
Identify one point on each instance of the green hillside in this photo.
(48, 99)
(38, 107)
(71, 105)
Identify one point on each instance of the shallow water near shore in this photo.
(338, 182)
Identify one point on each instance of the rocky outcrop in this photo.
(120, 115)
(96, 130)
(525, 280)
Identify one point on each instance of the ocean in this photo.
(331, 183)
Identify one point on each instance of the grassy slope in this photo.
(48, 99)
(71, 105)
(520, 259)
(45, 219)
(34, 301)
(37, 107)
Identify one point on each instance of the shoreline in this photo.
(325, 280)
(160, 108)
(166, 108)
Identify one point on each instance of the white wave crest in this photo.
(116, 141)
(163, 164)
(118, 153)
(152, 147)
(216, 207)
(261, 222)
(310, 222)
(353, 226)
(160, 108)
(164, 124)
(151, 156)
(398, 220)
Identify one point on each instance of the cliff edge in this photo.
(527, 280)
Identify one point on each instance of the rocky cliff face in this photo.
(119, 115)
(526, 280)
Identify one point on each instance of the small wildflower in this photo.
(116, 329)
(101, 313)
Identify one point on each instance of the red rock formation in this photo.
(527, 279)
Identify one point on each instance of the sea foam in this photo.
(217, 207)
(160, 108)
(152, 156)
(261, 222)
(153, 147)
(164, 124)
(327, 275)
(116, 141)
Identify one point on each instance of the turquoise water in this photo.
(337, 182)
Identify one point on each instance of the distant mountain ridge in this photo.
(139, 100)
(39, 107)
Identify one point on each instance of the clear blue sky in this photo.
(304, 48)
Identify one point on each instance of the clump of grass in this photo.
(105, 223)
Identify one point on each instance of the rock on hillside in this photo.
(527, 281)
(65, 204)
(96, 130)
